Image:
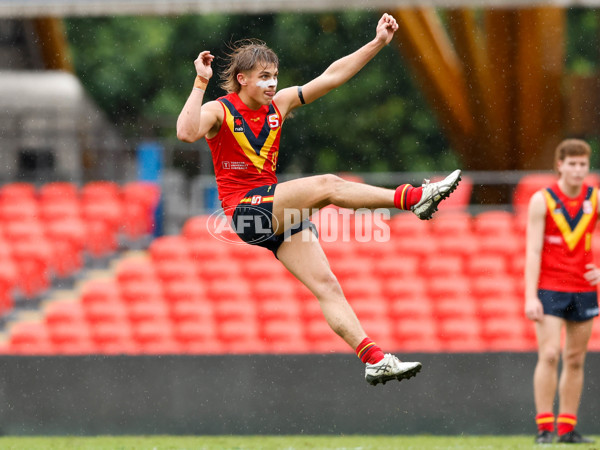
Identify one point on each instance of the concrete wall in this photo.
(272, 394)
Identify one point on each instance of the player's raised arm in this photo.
(340, 71)
(195, 120)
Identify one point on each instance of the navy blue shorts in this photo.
(575, 306)
(253, 220)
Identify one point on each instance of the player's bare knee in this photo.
(550, 356)
(328, 287)
(330, 185)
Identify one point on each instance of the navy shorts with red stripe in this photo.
(253, 220)
(575, 306)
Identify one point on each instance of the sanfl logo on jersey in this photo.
(587, 207)
(273, 120)
(238, 124)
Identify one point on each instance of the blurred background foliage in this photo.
(140, 71)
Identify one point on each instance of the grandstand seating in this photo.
(449, 285)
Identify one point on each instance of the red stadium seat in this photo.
(419, 335)
(114, 338)
(218, 269)
(510, 246)
(494, 305)
(140, 200)
(217, 291)
(189, 310)
(173, 271)
(170, 248)
(487, 265)
(487, 285)
(30, 338)
(59, 210)
(196, 335)
(462, 307)
(451, 223)
(58, 191)
(142, 292)
(461, 244)
(283, 336)
(455, 287)
(321, 338)
(496, 222)
(235, 308)
(8, 283)
(461, 335)
(135, 269)
(106, 312)
(416, 308)
(209, 249)
(18, 191)
(404, 225)
(155, 336)
(60, 312)
(407, 245)
(197, 228)
(400, 288)
(442, 265)
(100, 190)
(100, 291)
(287, 309)
(19, 210)
(71, 338)
(184, 291)
(32, 259)
(145, 310)
(362, 286)
(396, 266)
(241, 328)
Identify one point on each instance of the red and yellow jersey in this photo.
(245, 149)
(567, 244)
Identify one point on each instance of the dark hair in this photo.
(244, 56)
(572, 147)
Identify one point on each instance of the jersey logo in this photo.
(238, 124)
(572, 228)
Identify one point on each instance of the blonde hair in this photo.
(245, 55)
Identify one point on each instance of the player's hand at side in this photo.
(386, 27)
(203, 64)
(533, 309)
(592, 275)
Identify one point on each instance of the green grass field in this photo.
(358, 442)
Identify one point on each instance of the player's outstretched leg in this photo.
(433, 194)
(390, 368)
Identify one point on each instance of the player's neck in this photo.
(249, 101)
(570, 190)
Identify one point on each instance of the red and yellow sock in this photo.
(566, 423)
(369, 352)
(407, 196)
(545, 422)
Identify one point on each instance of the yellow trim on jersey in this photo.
(571, 237)
(258, 160)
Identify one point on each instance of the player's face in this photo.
(260, 84)
(574, 169)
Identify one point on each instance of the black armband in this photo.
(300, 96)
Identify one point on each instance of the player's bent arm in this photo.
(196, 120)
(536, 223)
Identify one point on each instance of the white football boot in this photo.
(433, 194)
(390, 368)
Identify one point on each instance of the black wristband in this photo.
(300, 96)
